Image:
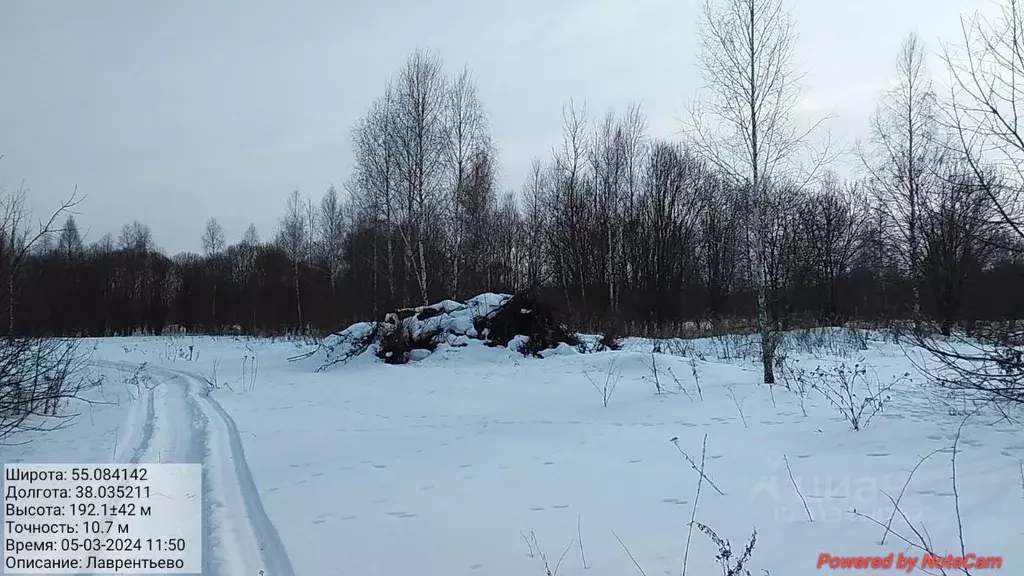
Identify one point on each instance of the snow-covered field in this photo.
(477, 460)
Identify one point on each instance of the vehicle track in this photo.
(181, 423)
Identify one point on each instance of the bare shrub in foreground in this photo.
(732, 564)
(38, 376)
(796, 380)
(858, 396)
(611, 380)
(38, 380)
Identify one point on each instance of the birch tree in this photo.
(468, 149)
(904, 155)
(743, 122)
(213, 244)
(292, 238)
(330, 234)
(420, 146)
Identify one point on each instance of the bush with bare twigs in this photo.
(857, 395)
(38, 380)
(607, 387)
(39, 377)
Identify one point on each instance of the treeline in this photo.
(616, 225)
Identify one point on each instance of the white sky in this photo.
(170, 112)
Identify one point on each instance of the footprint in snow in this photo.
(560, 506)
(548, 463)
(537, 509)
(427, 487)
(476, 566)
(379, 466)
(877, 454)
(465, 465)
(802, 456)
(635, 461)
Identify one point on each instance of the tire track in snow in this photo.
(134, 439)
(190, 426)
(225, 446)
(174, 432)
(147, 428)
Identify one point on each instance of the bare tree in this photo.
(331, 233)
(69, 243)
(534, 197)
(904, 156)
(213, 238)
(213, 245)
(251, 236)
(985, 116)
(420, 139)
(469, 157)
(614, 155)
(568, 237)
(958, 237)
(374, 187)
(135, 237)
(985, 112)
(834, 223)
(244, 267)
(292, 238)
(743, 121)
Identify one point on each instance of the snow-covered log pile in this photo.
(522, 323)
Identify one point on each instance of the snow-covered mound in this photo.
(420, 331)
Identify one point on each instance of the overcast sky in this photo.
(171, 112)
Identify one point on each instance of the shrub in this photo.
(858, 396)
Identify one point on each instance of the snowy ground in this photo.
(479, 461)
